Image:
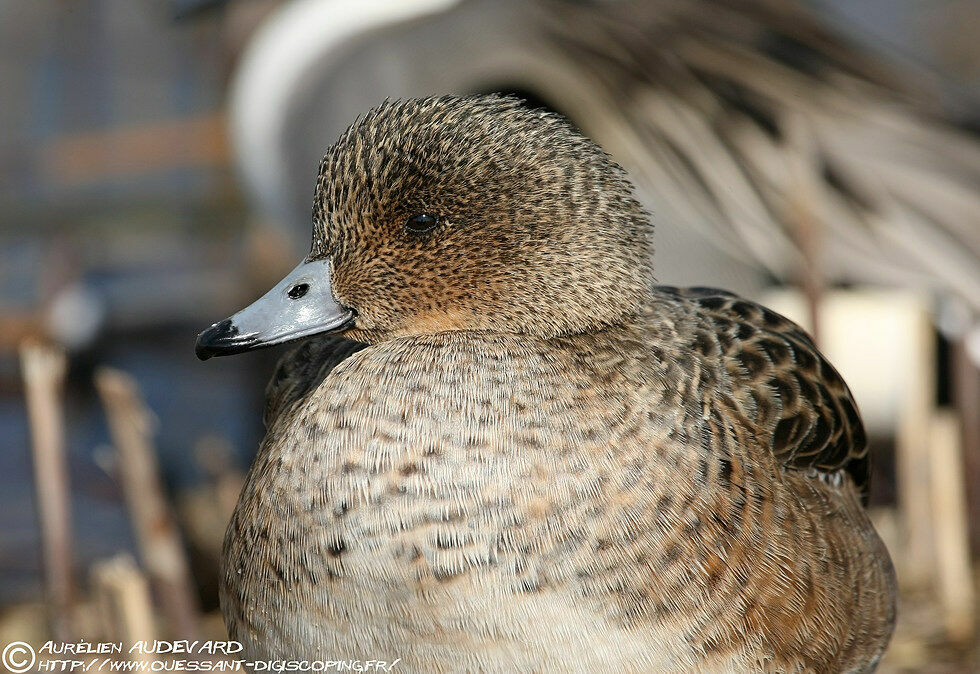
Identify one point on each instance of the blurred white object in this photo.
(75, 316)
(302, 35)
(972, 343)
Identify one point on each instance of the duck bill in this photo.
(300, 305)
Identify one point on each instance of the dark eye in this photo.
(423, 222)
(298, 291)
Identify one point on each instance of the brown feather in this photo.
(585, 472)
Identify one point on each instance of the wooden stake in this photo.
(954, 575)
(123, 600)
(807, 228)
(44, 370)
(160, 545)
(966, 395)
(912, 459)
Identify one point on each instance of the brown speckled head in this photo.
(534, 229)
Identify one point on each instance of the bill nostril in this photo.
(298, 291)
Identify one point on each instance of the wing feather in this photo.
(795, 399)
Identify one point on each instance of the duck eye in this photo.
(298, 290)
(423, 222)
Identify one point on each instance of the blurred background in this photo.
(157, 163)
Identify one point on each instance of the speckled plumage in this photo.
(543, 462)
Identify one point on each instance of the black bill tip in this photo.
(222, 339)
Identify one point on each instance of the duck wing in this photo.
(301, 370)
(796, 401)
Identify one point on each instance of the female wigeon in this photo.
(522, 455)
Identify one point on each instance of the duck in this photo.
(500, 445)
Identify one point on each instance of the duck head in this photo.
(457, 214)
